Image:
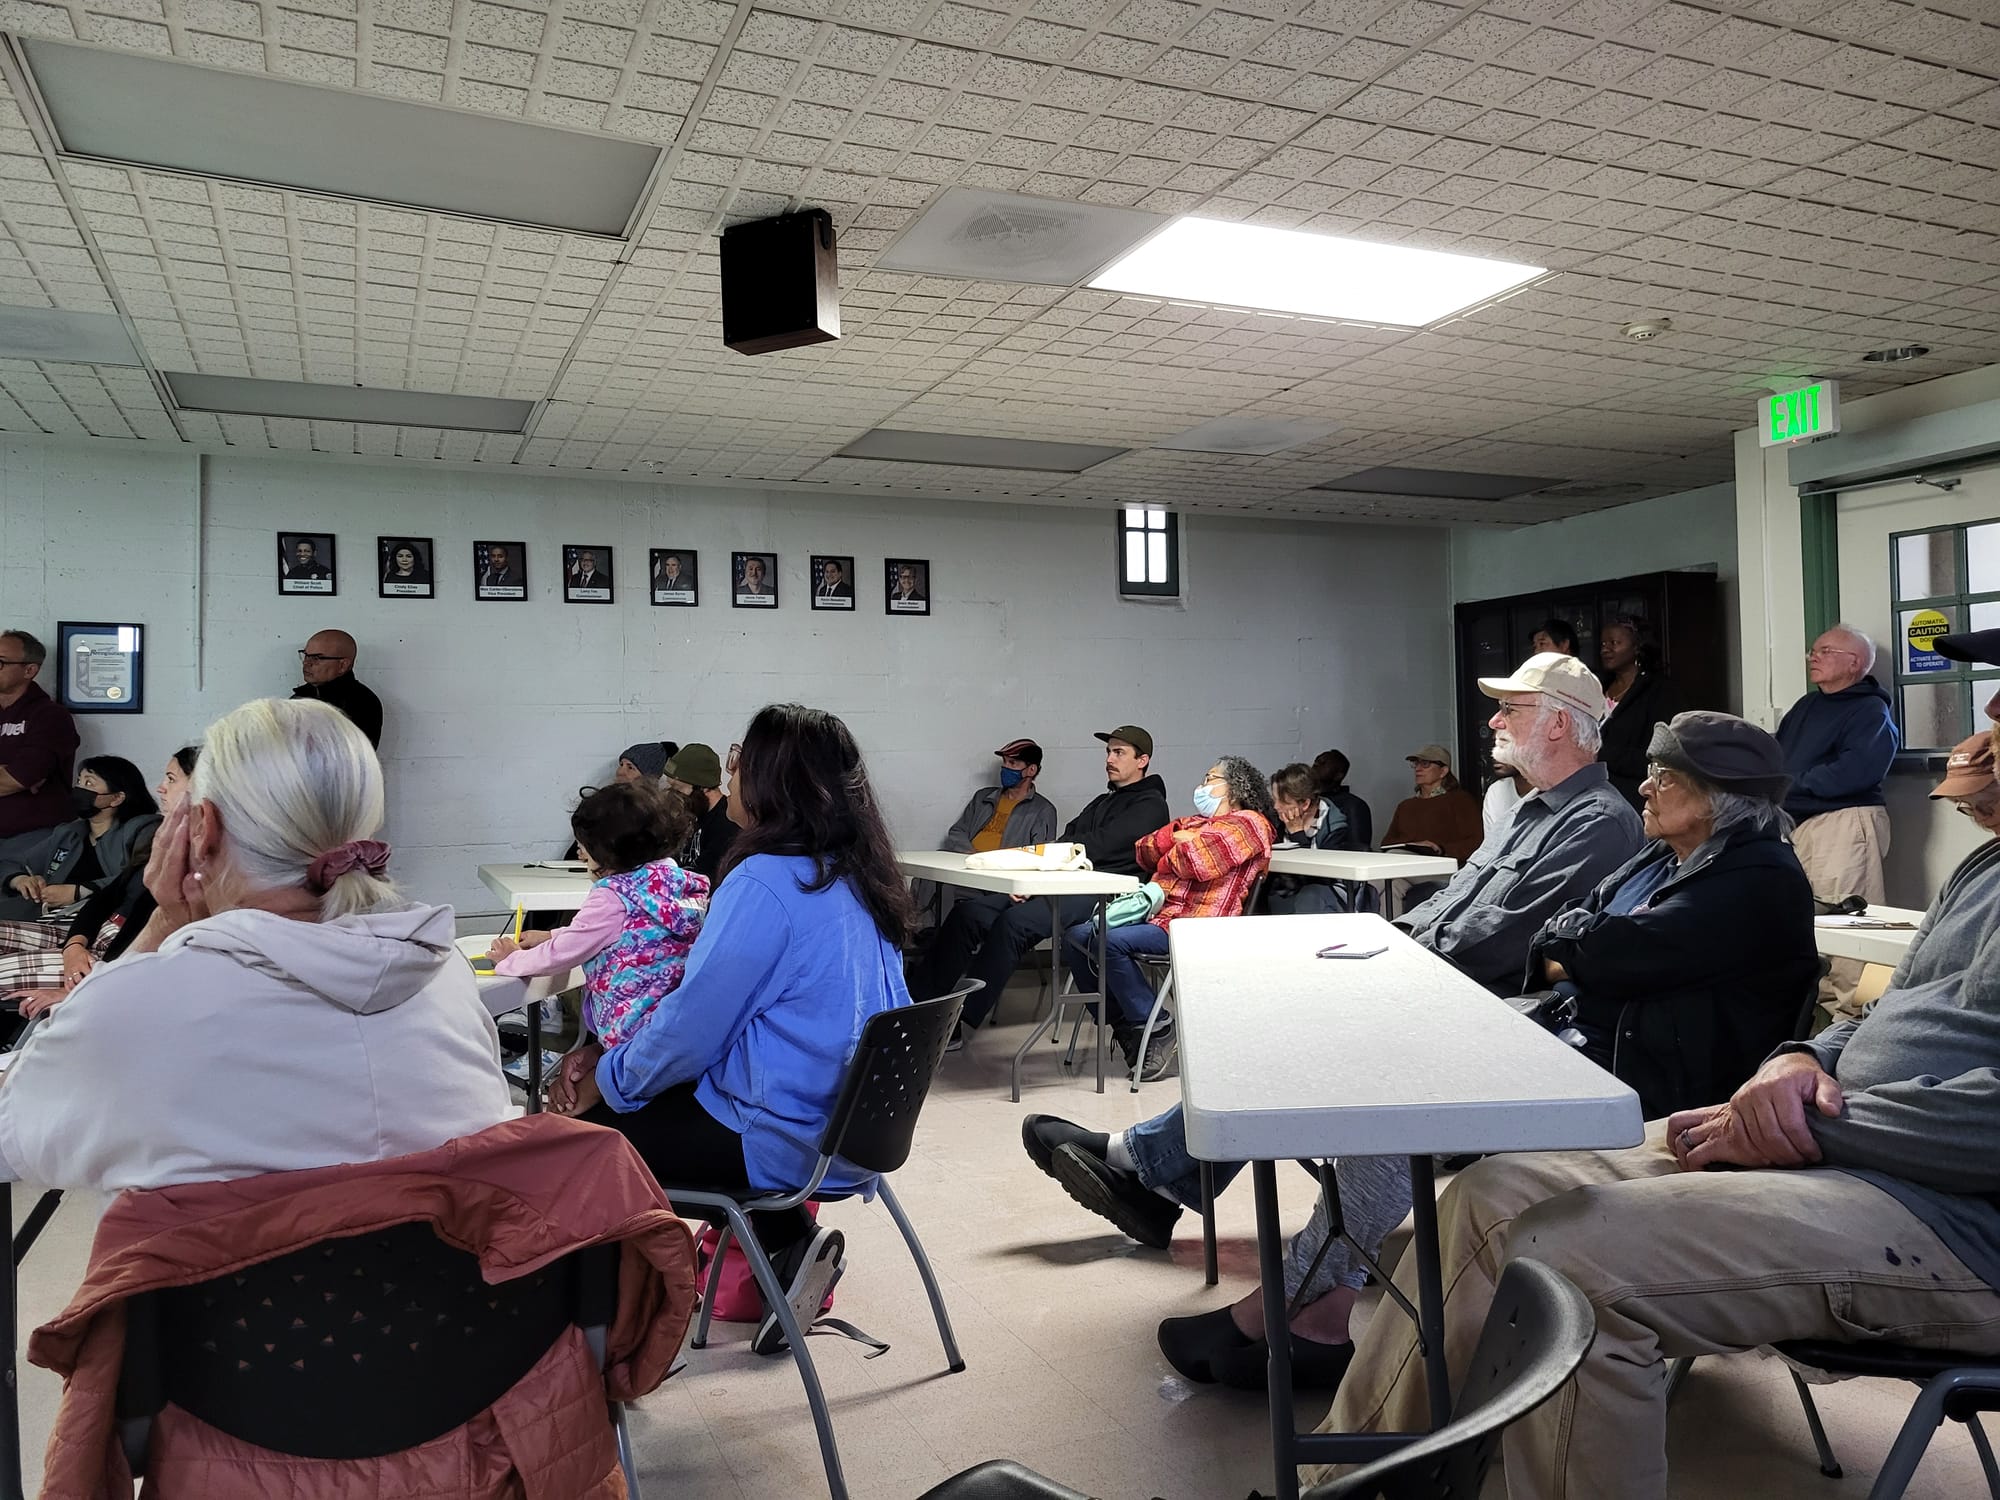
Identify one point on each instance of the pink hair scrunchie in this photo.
(371, 855)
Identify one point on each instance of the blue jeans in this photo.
(1125, 982)
(1374, 1196)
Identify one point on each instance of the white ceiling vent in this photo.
(984, 236)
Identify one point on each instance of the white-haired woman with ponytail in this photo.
(284, 1008)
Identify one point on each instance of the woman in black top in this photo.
(1644, 697)
(102, 928)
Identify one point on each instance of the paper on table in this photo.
(1864, 921)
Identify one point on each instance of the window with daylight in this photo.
(1149, 552)
(1944, 580)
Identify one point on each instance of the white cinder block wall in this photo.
(1293, 637)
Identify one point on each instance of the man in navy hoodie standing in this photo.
(1839, 743)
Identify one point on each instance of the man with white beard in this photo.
(1569, 833)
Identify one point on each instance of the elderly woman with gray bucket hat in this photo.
(1684, 969)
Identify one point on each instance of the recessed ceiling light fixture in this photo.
(1257, 436)
(901, 445)
(77, 338)
(1896, 355)
(311, 401)
(211, 122)
(990, 236)
(1438, 484)
(1317, 275)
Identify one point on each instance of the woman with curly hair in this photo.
(1203, 866)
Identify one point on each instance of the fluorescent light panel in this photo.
(74, 338)
(1317, 275)
(987, 236)
(150, 111)
(1438, 484)
(1259, 436)
(308, 401)
(898, 445)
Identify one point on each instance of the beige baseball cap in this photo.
(1563, 678)
(1436, 754)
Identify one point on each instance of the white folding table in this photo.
(502, 994)
(1053, 885)
(1287, 1055)
(1370, 865)
(537, 887)
(1853, 937)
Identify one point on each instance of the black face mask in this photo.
(84, 801)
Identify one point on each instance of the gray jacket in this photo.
(1033, 821)
(1920, 1073)
(61, 849)
(1551, 854)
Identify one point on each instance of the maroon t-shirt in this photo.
(38, 749)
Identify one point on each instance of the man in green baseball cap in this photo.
(696, 773)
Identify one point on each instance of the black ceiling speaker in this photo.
(780, 283)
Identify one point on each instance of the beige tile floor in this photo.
(1055, 1314)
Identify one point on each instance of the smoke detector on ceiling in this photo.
(1649, 328)
(1896, 355)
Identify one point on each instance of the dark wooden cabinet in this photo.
(1680, 618)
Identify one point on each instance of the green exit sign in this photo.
(1793, 416)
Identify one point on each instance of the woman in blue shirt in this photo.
(730, 1079)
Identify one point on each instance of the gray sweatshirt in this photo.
(1920, 1073)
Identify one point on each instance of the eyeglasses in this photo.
(1508, 710)
(1978, 806)
(1818, 651)
(15, 661)
(1661, 775)
(309, 657)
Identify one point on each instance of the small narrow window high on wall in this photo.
(1149, 552)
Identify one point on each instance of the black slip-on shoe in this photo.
(1191, 1344)
(1042, 1134)
(1118, 1196)
(1315, 1366)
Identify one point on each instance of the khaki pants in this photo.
(1842, 852)
(1675, 1263)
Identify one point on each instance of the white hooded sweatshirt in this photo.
(252, 1043)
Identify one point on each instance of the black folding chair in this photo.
(1537, 1333)
(356, 1347)
(873, 1122)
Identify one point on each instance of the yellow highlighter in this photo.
(484, 963)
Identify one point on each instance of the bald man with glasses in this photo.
(327, 664)
(1839, 742)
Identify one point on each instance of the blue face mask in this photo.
(1205, 801)
(1010, 778)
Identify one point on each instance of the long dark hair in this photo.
(804, 790)
(120, 775)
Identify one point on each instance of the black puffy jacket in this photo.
(1684, 998)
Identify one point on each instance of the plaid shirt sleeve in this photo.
(1219, 846)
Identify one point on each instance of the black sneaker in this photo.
(1159, 1055)
(807, 1271)
(1042, 1134)
(1118, 1196)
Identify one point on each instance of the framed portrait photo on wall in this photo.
(753, 580)
(833, 582)
(306, 563)
(404, 568)
(586, 575)
(907, 585)
(675, 575)
(500, 571)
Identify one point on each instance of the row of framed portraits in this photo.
(405, 568)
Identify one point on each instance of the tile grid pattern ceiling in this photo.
(1791, 181)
